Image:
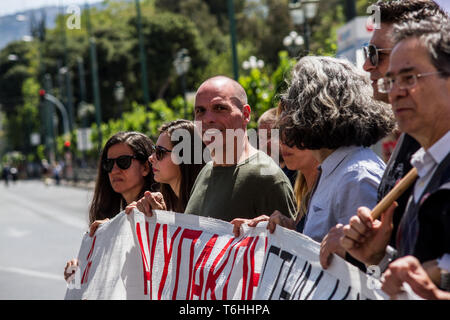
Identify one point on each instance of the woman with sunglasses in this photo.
(123, 175)
(175, 180)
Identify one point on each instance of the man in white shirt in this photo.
(418, 84)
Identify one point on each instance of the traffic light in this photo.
(41, 94)
(66, 146)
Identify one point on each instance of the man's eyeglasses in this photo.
(123, 162)
(160, 152)
(371, 53)
(403, 81)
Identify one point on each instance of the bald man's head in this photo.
(235, 91)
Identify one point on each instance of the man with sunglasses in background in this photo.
(377, 54)
(418, 85)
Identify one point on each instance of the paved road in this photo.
(40, 229)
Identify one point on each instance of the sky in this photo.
(445, 4)
(9, 7)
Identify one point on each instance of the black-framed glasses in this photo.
(403, 81)
(123, 162)
(160, 152)
(371, 53)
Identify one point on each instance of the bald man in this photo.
(240, 181)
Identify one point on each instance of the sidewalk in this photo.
(90, 185)
(87, 185)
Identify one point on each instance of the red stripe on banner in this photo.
(92, 248)
(141, 245)
(203, 258)
(212, 277)
(152, 254)
(89, 263)
(243, 243)
(225, 288)
(253, 275)
(245, 270)
(167, 257)
(84, 279)
(192, 235)
(143, 256)
(148, 236)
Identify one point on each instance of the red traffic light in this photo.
(42, 92)
(67, 143)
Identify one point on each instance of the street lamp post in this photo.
(50, 140)
(119, 94)
(64, 73)
(301, 12)
(230, 6)
(64, 115)
(293, 41)
(95, 81)
(142, 57)
(181, 63)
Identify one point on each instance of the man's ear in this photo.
(247, 111)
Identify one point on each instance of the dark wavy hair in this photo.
(400, 10)
(107, 203)
(329, 104)
(189, 171)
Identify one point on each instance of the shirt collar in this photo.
(335, 159)
(440, 149)
(425, 161)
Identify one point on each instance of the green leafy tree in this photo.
(14, 70)
(263, 90)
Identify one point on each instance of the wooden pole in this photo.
(395, 193)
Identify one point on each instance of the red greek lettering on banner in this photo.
(145, 266)
(254, 277)
(211, 281)
(152, 254)
(246, 242)
(192, 235)
(202, 259)
(167, 257)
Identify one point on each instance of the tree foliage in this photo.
(201, 26)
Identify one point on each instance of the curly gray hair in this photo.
(329, 104)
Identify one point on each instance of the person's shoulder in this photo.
(262, 166)
(205, 172)
(364, 158)
(362, 165)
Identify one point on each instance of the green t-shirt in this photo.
(249, 189)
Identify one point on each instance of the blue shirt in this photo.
(349, 179)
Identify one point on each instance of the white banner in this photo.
(178, 256)
(292, 271)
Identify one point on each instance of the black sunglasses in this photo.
(160, 152)
(123, 162)
(371, 53)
